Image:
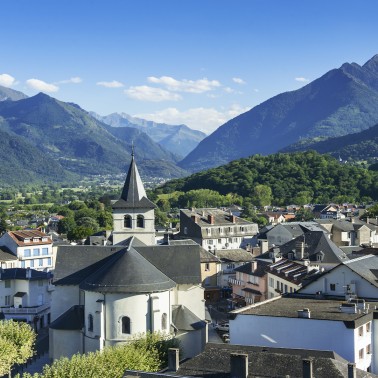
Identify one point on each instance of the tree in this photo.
(66, 224)
(79, 232)
(144, 352)
(17, 341)
(262, 195)
(105, 220)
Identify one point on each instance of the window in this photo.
(7, 284)
(285, 289)
(219, 241)
(368, 327)
(207, 266)
(90, 323)
(7, 300)
(164, 319)
(361, 331)
(271, 282)
(361, 353)
(49, 261)
(40, 262)
(210, 242)
(208, 230)
(368, 349)
(36, 252)
(27, 252)
(332, 287)
(45, 251)
(126, 325)
(221, 230)
(23, 264)
(127, 221)
(140, 221)
(31, 263)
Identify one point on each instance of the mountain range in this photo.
(55, 140)
(179, 139)
(78, 143)
(341, 102)
(356, 146)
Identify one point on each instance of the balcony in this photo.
(24, 310)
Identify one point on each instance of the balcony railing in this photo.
(24, 310)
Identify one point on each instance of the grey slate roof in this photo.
(234, 255)
(260, 271)
(127, 272)
(129, 268)
(75, 263)
(315, 242)
(184, 320)
(21, 273)
(6, 254)
(366, 267)
(180, 263)
(133, 193)
(214, 362)
(72, 319)
(288, 305)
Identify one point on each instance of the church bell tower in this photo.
(134, 213)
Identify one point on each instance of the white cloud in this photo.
(110, 84)
(7, 80)
(42, 86)
(238, 80)
(302, 79)
(228, 90)
(72, 80)
(190, 86)
(146, 93)
(204, 119)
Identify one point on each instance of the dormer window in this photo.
(127, 221)
(44, 239)
(26, 240)
(36, 240)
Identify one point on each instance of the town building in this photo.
(215, 229)
(25, 295)
(347, 328)
(32, 248)
(355, 278)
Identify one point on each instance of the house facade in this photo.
(25, 295)
(215, 229)
(349, 329)
(32, 248)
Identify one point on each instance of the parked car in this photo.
(224, 327)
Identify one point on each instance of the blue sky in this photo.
(198, 62)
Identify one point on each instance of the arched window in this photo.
(90, 323)
(126, 327)
(127, 221)
(164, 324)
(140, 221)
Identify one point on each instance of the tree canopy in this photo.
(16, 344)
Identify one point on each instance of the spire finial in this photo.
(132, 148)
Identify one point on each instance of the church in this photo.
(105, 295)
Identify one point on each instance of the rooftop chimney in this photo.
(173, 359)
(352, 370)
(307, 368)
(194, 218)
(233, 218)
(305, 313)
(210, 219)
(253, 266)
(299, 250)
(239, 365)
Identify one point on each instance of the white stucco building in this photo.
(32, 248)
(348, 328)
(25, 295)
